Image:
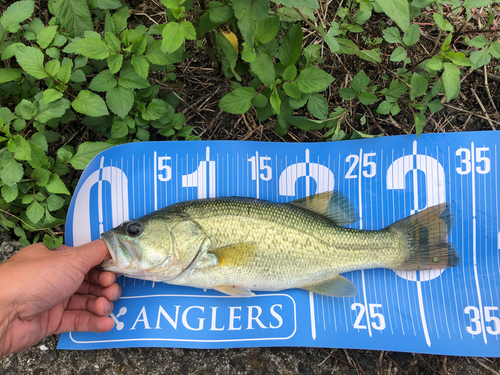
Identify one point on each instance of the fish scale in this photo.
(240, 245)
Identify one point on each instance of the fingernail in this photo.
(118, 292)
(108, 308)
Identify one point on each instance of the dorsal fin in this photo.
(332, 204)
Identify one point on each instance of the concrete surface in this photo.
(44, 358)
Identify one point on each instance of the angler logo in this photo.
(196, 318)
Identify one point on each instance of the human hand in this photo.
(44, 291)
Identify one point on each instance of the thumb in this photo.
(92, 253)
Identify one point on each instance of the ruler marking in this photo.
(474, 242)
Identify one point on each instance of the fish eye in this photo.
(134, 229)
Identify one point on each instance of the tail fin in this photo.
(425, 234)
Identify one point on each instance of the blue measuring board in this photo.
(453, 311)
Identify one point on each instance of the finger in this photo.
(111, 293)
(103, 278)
(97, 305)
(93, 253)
(84, 321)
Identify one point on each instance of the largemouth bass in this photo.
(240, 245)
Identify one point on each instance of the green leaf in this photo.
(292, 89)
(442, 23)
(398, 10)
(120, 100)
(103, 82)
(391, 35)
(56, 186)
(25, 109)
(9, 193)
(89, 47)
(459, 58)
(155, 110)
(291, 45)
(399, 54)
(267, 30)
(86, 152)
(64, 73)
(219, 13)
(74, 15)
(419, 123)
(435, 105)
(247, 54)
(451, 81)
(119, 129)
(367, 98)
(347, 93)
(15, 14)
(495, 50)
(275, 101)
(20, 147)
(384, 108)
(7, 75)
(7, 115)
(41, 176)
(480, 58)
(313, 79)
(39, 140)
(238, 101)
(35, 212)
(318, 106)
(360, 81)
(90, 104)
(11, 171)
(330, 40)
(412, 35)
(51, 95)
(55, 109)
(260, 101)
(120, 19)
(54, 202)
(52, 67)
(436, 63)
(289, 14)
(296, 3)
(28, 198)
(263, 67)
(370, 55)
(419, 84)
(52, 242)
(31, 60)
(64, 154)
(174, 34)
(141, 66)
(131, 80)
(290, 73)
(38, 157)
(114, 62)
(45, 36)
(478, 41)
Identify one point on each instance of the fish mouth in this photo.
(111, 242)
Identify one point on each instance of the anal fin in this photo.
(339, 286)
(234, 291)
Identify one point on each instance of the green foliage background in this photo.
(89, 65)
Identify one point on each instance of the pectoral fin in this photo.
(234, 291)
(234, 255)
(339, 286)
